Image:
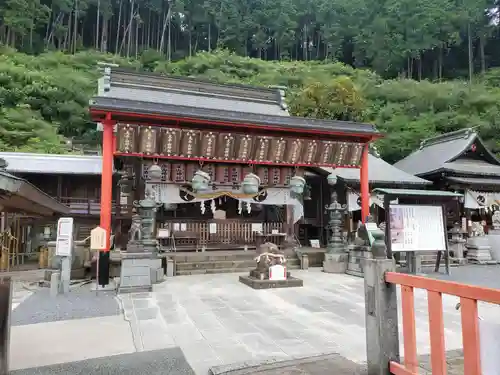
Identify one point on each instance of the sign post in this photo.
(97, 244)
(64, 247)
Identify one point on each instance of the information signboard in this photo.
(98, 239)
(64, 240)
(417, 228)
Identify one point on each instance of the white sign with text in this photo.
(64, 240)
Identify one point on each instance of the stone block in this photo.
(156, 275)
(304, 262)
(170, 267)
(335, 263)
(255, 283)
(135, 278)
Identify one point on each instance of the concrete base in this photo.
(108, 288)
(255, 283)
(335, 263)
(478, 250)
(494, 241)
(357, 256)
(77, 274)
(139, 272)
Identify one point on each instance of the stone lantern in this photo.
(200, 181)
(336, 256)
(251, 184)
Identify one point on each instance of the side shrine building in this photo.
(460, 161)
(226, 163)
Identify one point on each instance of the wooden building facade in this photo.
(239, 140)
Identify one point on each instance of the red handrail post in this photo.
(381, 315)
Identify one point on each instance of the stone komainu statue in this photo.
(135, 234)
(268, 254)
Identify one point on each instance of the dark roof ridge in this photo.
(447, 137)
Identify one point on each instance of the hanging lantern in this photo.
(200, 181)
(251, 184)
(297, 184)
(332, 179)
(154, 172)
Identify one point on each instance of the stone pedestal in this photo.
(270, 271)
(494, 242)
(457, 246)
(357, 257)
(256, 281)
(139, 271)
(478, 250)
(335, 262)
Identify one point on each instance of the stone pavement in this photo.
(216, 320)
(84, 333)
(211, 321)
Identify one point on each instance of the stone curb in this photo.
(251, 367)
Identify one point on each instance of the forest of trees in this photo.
(415, 68)
(44, 98)
(412, 38)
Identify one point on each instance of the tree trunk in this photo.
(118, 26)
(129, 27)
(166, 22)
(209, 37)
(97, 24)
(148, 36)
(420, 66)
(104, 35)
(75, 26)
(469, 44)
(169, 42)
(136, 40)
(440, 63)
(481, 52)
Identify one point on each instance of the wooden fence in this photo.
(382, 332)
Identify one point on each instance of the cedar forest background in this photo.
(416, 68)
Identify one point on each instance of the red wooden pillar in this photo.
(106, 196)
(365, 189)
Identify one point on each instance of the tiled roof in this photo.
(154, 88)
(30, 200)
(379, 171)
(417, 193)
(132, 94)
(471, 166)
(475, 181)
(19, 162)
(441, 152)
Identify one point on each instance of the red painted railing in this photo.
(469, 298)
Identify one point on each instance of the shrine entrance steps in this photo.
(221, 261)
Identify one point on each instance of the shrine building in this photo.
(228, 163)
(459, 161)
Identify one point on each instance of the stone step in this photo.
(215, 264)
(223, 270)
(224, 264)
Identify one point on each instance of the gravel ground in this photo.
(80, 303)
(157, 362)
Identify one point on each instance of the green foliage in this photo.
(44, 99)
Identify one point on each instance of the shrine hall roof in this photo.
(379, 172)
(133, 93)
(20, 162)
(194, 93)
(445, 153)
